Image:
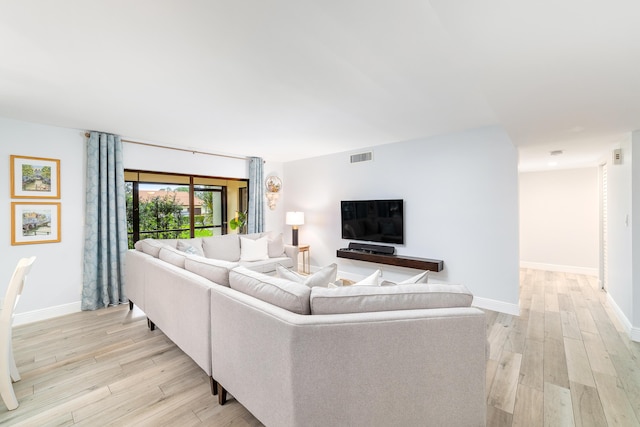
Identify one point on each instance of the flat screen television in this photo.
(373, 220)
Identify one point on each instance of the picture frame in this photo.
(34, 177)
(35, 222)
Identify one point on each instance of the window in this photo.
(170, 206)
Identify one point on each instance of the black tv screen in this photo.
(373, 220)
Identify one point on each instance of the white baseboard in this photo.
(45, 313)
(494, 305)
(587, 271)
(634, 333)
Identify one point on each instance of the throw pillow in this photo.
(322, 277)
(371, 280)
(186, 247)
(254, 250)
(418, 278)
(275, 245)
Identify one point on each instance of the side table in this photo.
(306, 263)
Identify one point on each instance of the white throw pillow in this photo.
(254, 250)
(371, 280)
(418, 278)
(322, 277)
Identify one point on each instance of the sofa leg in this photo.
(150, 324)
(130, 305)
(222, 395)
(214, 386)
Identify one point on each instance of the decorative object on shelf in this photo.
(274, 185)
(294, 219)
(33, 222)
(35, 178)
(239, 222)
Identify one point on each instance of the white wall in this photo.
(635, 240)
(153, 159)
(55, 282)
(274, 219)
(461, 206)
(620, 283)
(559, 220)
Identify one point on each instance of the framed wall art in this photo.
(35, 178)
(33, 222)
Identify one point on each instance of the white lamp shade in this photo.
(295, 218)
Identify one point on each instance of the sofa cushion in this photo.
(213, 269)
(185, 245)
(283, 293)
(361, 299)
(254, 250)
(172, 256)
(225, 247)
(322, 277)
(149, 246)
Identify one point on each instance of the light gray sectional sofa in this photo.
(409, 355)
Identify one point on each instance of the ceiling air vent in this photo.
(362, 157)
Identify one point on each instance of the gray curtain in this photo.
(255, 222)
(105, 242)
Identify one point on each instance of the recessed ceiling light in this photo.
(552, 164)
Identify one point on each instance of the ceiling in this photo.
(291, 79)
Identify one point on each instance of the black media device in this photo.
(380, 221)
(374, 249)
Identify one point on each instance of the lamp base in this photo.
(294, 236)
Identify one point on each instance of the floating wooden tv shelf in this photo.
(397, 260)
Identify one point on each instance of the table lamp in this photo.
(294, 219)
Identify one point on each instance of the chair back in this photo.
(15, 290)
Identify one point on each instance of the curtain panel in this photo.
(255, 222)
(105, 243)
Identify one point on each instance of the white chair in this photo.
(8, 369)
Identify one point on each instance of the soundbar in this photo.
(374, 249)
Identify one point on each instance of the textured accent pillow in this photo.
(225, 247)
(363, 299)
(371, 280)
(172, 256)
(213, 269)
(322, 277)
(280, 292)
(190, 249)
(149, 246)
(254, 250)
(418, 278)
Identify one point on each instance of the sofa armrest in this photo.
(178, 302)
(384, 368)
(136, 265)
(292, 252)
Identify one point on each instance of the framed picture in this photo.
(33, 222)
(35, 178)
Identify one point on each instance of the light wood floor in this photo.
(565, 361)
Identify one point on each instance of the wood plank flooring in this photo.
(565, 361)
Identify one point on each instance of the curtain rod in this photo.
(186, 150)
